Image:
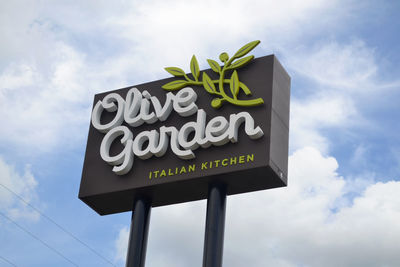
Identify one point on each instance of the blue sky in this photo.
(342, 205)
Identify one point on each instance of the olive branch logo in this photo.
(230, 65)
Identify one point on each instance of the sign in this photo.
(169, 139)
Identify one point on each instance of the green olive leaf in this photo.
(245, 89)
(177, 72)
(234, 84)
(194, 67)
(175, 85)
(214, 65)
(240, 63)
(208, 84)
(246, 49)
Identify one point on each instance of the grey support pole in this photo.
(215, 226)
(138, 234)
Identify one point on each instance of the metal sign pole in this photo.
(215, 226)
(137, 245)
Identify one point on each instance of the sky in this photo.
(342, 203)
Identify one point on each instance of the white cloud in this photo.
(343, 82)
(170, 32)
(344, 67)
(17, 76)
(121, 244)
(37, 113)
(309, 223)
(24, 185)
(313, 114)
(57, 56)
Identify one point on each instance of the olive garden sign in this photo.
(169, 139)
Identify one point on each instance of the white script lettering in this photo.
(135, 110)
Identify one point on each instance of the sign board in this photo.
(169, 139)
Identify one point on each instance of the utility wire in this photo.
(59, 226)
(9, 262)
(38, 239)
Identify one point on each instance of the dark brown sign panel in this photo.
(252, 156)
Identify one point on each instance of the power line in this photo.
(59, 226)
(38, 239)
(9, 262)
